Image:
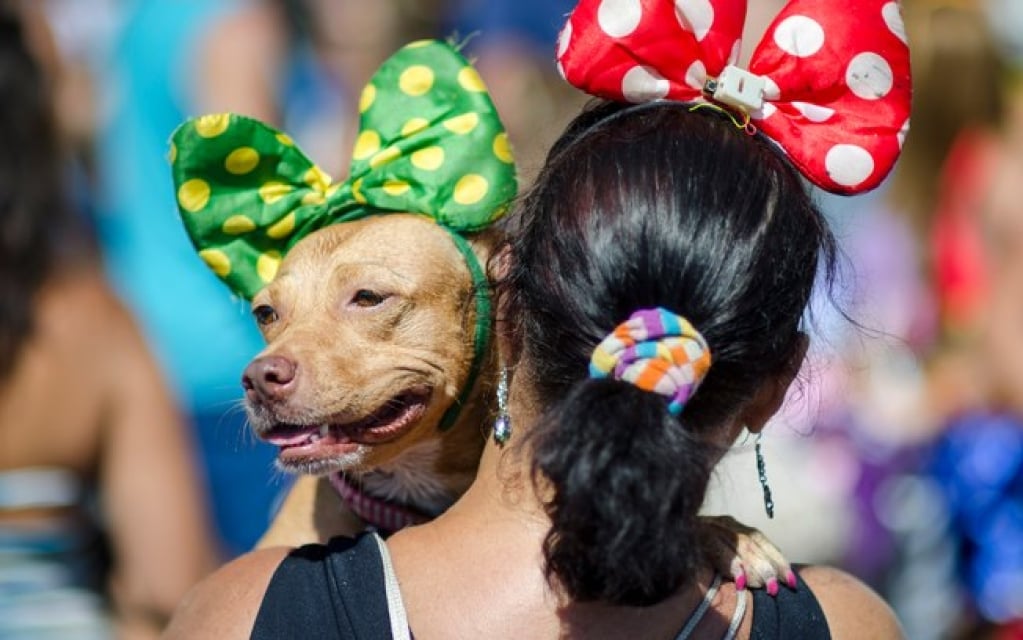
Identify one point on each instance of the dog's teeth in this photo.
(324, 430)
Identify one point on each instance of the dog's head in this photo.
(369, 330)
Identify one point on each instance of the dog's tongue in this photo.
(291, 436)
(387, 423)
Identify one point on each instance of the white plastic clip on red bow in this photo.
(829, 83)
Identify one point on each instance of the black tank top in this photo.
(336, 592)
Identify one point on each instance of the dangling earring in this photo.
(502, 426)
(762, 472)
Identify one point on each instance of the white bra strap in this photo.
(395, 607)
(697, 615)
(740, 612)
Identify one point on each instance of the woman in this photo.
(102, 526)
(652, 296)
(583, 523)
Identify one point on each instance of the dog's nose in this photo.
(270, 378)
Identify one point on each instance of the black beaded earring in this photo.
(762, 473)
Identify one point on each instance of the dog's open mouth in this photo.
(389, 422)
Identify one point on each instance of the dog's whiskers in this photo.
(236, 406)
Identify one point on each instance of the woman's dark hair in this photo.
(32, 211)
(639, 207)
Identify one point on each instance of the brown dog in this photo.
(369, 326)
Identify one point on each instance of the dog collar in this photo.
(387, 517)
(481, 332)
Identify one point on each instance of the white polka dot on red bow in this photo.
(849, 164)
(733, 57)
(619, 18)
(813, 112)
(869, 76)
(643, 84)
(893, 19)
(696, 16)
(696, 75)
(903, 132)
(564, 39)
(799, 36)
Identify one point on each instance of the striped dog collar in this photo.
(384, 516)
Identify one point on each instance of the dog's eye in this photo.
(264, 314)
(367, 298)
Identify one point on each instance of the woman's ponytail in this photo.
(625, 481)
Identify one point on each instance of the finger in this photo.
(782, 568)
(760, 571)
(738, 573)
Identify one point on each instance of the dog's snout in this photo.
(270, 378)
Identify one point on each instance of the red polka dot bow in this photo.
(829, 83)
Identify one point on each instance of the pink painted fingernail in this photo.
(740, 582)
(790, 579)
(772, 587)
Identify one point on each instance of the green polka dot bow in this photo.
(430, 142)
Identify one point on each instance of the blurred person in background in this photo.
(78, 40)
(977, 463)
(102, 524)
(919, 281)
(169, 61)
(919, 275)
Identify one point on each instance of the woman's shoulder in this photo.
(224, 604)
(852, 609)
(227, 603)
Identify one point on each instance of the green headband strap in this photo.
(430, 142)
(481, 333)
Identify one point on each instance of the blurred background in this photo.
(899, 457)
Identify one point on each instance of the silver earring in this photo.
(502, 426)
(762, 472)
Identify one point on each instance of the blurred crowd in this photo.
(909, 418)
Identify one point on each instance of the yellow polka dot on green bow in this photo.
(429, 142)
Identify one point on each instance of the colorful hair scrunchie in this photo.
(829, 83)
(430, 142)
(658, 351)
